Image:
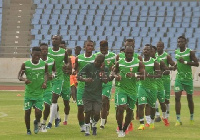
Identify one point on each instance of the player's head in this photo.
(104, 47)
(36, 53)
(62, 44)
(160, 47)
(99, 60)
(69, 52)
(181, 41)
(129, 53)
(56, 40)
(153, 51)
(89, 46)
(130, 42)
(44, 49)
(147, 50)
(77, 50)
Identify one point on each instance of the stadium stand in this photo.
(151, 21)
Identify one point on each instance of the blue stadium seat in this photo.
(150, 3)
(141, 24)
(133, 18)
(93, 6)
(84, 38)
(54, 16)
(118, 29)
(72, 32)
(63, 2)
(94, 38)
(167, 3)
(67, 6)
(193, 3)
(126, 13)
(81, 2)
(155, 40)
(143, 34)
(74, 37)
(170, 13)
(114, 23)
(102, 7)
(41, 6)
(102, 38)
(49, 6)
(82, 27)
(176, 3)
(152, 13)
(163, 29)
(56, 12)
(38, 37)
(123, 24)
(154, 29)
(150, 23)
(167, 24)
(71, 1)
(63, 32)
(38, 11)
(120, 38)
(81, 32)
(34, 43)
(158, 24)
(194, 24)
(111, 7)
(64, 12)
(35, 2)
(99, 32)
(115, 18)
(184, 3)
(84, 6)
(100, 12)
(45, 26)
(111, 38)
(71, 44)
(80, 43)
(90, 33)
(125, 33)
(124, 18)
(151, 34)
(143, 18)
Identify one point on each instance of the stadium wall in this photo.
(11, 66)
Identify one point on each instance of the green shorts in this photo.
(47, 97)
(66, 92)
(57, 86)
(181, 85)
(147, 96)
(161, 96)
(106, 91)
(37, 103)
(79, 99)
(128, 99)
(167, 86)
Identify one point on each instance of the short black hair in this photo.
(182, 37)
(148, 45)
(130, 40)
(62, 42)
(36, 49)
(103, 43)
(154, 47)
(43, 44)
(78, 47)
(88, 41)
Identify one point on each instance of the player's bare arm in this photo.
(21, 73)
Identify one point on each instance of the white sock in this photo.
(44, 121)
(148, 119)
(103, 122)
(94, 123)
(57, 115)
(66, 117)
(152, 120)
(87, 130)
(53, 112)
(164, 115)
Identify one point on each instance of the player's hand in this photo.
(181, 60)
(88, 80)
(27, 81)
(44, 85)
(130, 75)
(118, 77)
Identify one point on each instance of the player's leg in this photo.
(104, 110)
(97, 105)
(80, 113)
(151, 100)
(167, 87)
(189, 90)
(27, 120)
(88, 111)
(38, 114)
(73, 93)
(27, 116)
(147, 115)
(157, 119)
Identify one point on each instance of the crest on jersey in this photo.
(131, 69)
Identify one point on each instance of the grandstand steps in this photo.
(16, 26)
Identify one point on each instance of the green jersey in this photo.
(128, 85)
(82, 62)
(58, 57)
(50, 62)
(35, 73)
(149, 83)
(184, 72)
(122, 55)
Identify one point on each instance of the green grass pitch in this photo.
(12, 126)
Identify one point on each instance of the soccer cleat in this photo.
(28, 132)
(36, 127)
(158, 119)
(178, 123)
(191, 122)
(152, 126)
(121, 134)
(130, 127)
(87, 130)
(49, 125)
(43, 128)
(166, 122)
(101, 127)
(82, 128)
(57, 122)
(65, 123)
(94, 131)
(147, 125)
(141, 127)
